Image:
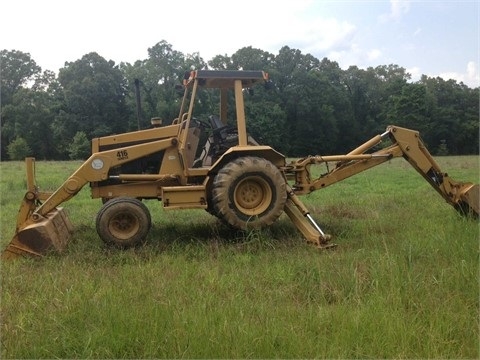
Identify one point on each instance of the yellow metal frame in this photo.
(181, 186)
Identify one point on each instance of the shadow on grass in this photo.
(197, 235)
(193, 239)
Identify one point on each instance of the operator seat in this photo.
(215, 122)
(219, 129)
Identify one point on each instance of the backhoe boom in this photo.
(406, 143)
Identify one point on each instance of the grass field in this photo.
(403, 282)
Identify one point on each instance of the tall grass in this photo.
(403, 282)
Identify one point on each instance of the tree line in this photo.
(314, 107)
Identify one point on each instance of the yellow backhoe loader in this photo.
(210, 165)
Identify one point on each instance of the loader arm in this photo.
(96, 168)
(406, 143)
(42, 226)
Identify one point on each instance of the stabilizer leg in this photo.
(301, 218)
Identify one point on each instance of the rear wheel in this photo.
(123, 222)
(249, 192)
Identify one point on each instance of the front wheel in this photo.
(123, 222)
(249, 192)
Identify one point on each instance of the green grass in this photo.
(403, 282)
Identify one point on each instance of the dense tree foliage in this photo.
(314, 107)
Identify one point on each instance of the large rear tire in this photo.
(249, 193)
(123, 222)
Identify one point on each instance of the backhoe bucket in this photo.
(36, 239)
(470, 201)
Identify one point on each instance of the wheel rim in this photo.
(123, 225)
(253, 195)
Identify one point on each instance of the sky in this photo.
(434, 38)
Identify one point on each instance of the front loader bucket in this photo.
(470, 201)
(51, 233)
